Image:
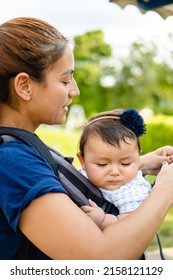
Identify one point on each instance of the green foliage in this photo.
(159, 133)
(91, 46)
(142, 79)
(165, 233)
(90, 53)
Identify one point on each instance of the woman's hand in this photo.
(151, 163)
(164, 180)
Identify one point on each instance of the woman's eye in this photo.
(66, 82)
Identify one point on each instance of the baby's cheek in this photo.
(95, 178)
(131, 175)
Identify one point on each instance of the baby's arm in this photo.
(98, 216)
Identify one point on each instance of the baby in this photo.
(110, 158)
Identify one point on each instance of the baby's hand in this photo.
(94, 212)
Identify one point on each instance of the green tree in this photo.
(144, 81)
(90, 53)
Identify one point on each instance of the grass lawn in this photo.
(66, 143)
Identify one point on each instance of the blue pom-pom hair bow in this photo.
(129, 118)
(134, 121)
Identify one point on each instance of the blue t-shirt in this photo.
(24, 176)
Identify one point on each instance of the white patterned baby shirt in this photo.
(128, 197)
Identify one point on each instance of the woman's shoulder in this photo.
(25, 175)
(18, 153)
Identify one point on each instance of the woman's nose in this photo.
(74, 91)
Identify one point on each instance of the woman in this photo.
(37, 87)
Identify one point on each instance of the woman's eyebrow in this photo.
(68, 71)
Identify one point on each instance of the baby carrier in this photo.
(79, 188)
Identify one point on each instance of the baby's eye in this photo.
(126, 164)
(101, 164)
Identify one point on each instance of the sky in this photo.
(74, 17)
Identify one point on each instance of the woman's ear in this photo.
(21, 84)
(81, 160)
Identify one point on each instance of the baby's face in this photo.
(110, 167)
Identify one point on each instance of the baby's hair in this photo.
(113, 127)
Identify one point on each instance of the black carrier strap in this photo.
(68, 174)
(28, 251)
(77, 185)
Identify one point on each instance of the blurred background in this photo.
(123, 58)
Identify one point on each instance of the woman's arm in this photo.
(62, 231)
(151, 162)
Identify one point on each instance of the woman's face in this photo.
(49, 103)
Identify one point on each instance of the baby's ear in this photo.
(81, 160)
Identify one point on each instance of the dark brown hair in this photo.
(108, 127)
(27, 45)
